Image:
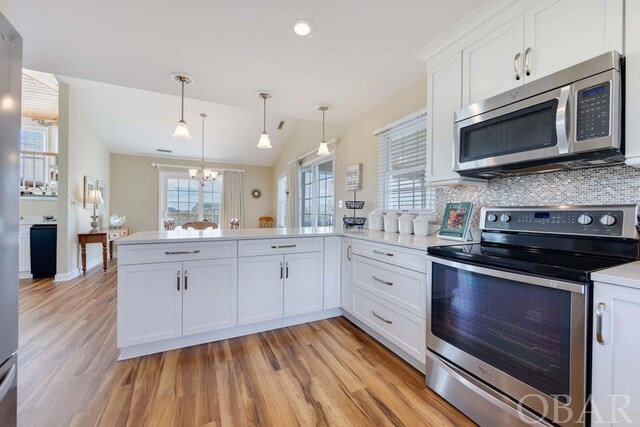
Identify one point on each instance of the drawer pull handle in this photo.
(349, 252)
(197, 251)
(382, 253)
(381, 318)
(599, 314)
(282, 246)
(382, 281)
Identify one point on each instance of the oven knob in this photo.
(505, 218)
(492, 217)
(608, 220)
(585, 219)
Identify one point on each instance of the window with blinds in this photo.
(402, 159)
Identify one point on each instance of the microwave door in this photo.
(531, 129)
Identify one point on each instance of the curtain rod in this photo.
(164, 165)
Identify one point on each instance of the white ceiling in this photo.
(133, 121)
(360, 55)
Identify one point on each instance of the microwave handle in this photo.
(563, 121)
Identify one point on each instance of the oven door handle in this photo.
(563, 121)
(517, 277)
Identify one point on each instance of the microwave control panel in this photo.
(593, 112)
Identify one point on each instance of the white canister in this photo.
(405, 223)
(421, 225)
(391, 222)
(376, 221)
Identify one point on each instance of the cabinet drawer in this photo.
(123, 233)
(165, 252)
(113, 235)
(403, 287)
(402, 328)
(279, 246)
(402, 257)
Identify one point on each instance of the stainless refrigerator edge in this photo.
(10, 106)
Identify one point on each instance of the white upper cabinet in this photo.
(561, 33)
(445, 96)
(210, 295)
(493, 64)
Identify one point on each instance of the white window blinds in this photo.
(402, 159)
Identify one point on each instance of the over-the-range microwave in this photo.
(569, 119)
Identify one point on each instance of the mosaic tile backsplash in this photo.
(610, 185)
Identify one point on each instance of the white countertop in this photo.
(185, 236)
(622, 275)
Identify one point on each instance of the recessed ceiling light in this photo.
(303, 28)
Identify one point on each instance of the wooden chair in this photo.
(199, 225)
(266, 222)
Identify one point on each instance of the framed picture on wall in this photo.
(101, 186)
(89, 184)
(353, 177)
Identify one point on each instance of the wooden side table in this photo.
(106, 237)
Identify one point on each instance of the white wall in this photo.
(357, 144)
(135, 190)
(81, 153)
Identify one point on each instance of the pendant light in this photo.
(203, 175)
(182, 131)
(323, 149)
(264, 141)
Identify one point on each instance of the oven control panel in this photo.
(593, 108)
(618, 221)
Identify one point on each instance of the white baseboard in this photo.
(238, 331)
(25, 275)
(63, 277)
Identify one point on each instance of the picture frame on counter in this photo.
(456, 221)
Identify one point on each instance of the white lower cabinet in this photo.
(275, 286)
(209, 296)
(149, 303)
(24, 258)
(345, 272)
(168, 300)
(303, 278)
(405, 330)
(616, 346)
(260, 291)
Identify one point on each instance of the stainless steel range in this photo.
(510, 317)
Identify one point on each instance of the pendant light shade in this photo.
(264, 141)
(323, 149)
(182, 131)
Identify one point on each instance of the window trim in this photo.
(312, 164)
(279, 207)
(421, 113)
(163, 176)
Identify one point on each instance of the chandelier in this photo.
(203, 175)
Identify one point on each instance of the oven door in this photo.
(534, 128)
(521, 334)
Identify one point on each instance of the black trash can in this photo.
(43, 250)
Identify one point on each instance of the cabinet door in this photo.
(332, 274)
(260, 287)
(149, 303)
(303, 283)
(493, 64)
(561, 33)
(25, 249)
(346, 267)
(615, 359)
(445, 96)
(210, 295)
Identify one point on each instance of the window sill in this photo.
(46, 198)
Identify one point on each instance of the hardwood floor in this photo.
(323, 373)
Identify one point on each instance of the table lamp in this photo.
(95, 198)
